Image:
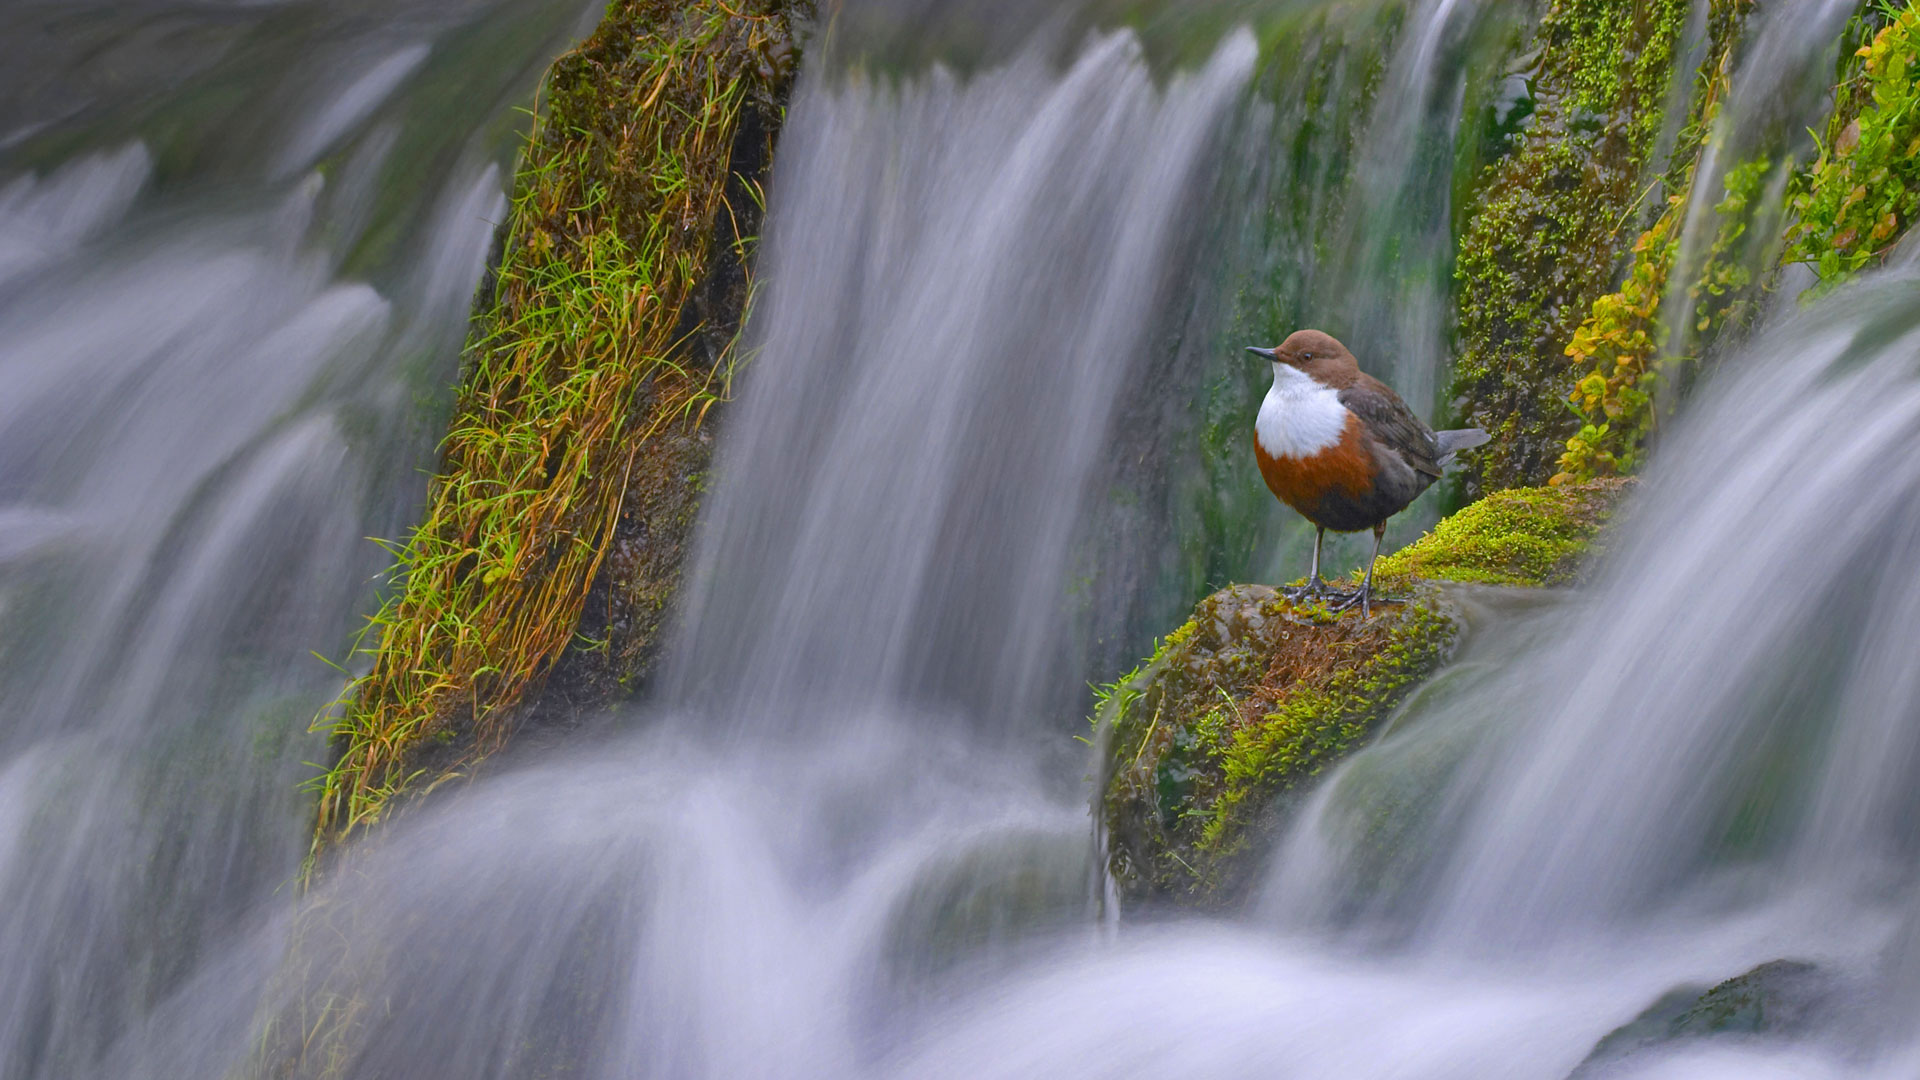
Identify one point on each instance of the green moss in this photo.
(1626, 347)
(1522, 536)
(1317, 723)
(1555, 219)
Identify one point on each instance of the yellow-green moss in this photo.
(1522, 536)
(1554, 220)
(1626, 346)
(593, 342)
(1853, 204)
(1625, 350)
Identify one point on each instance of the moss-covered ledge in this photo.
(1206, 744)
(1524, 536)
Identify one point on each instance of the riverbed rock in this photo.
(1208, 743)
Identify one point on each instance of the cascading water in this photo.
(829, 851)
(211, 357)
(830, 816)
(975, 283)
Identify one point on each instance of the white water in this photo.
(833, 849)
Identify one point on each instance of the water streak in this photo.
(973, 284)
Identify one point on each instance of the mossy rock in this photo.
(601, 346)
(1554, 220)
(1208, 743)
(1779, 998)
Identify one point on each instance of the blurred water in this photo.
(830, 849)
(970, 277)
(213, 346)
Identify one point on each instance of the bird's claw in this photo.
(1338, 599)
(1366, 599)
(1317, 591)
(1358, 597)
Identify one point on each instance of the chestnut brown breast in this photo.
(1332, 488)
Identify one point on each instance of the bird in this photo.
(1341, 448)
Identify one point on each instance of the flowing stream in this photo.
(847, 835)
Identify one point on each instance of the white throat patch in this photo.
(1300, 417)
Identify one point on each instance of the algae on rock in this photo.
(601, 342)
(1205, 745)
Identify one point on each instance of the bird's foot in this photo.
(1313, 593)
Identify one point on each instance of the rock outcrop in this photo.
(1206, 745)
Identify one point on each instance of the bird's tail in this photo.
(1452, 442)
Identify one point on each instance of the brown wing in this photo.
(1390, 421)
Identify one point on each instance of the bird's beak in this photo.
(1264, 354)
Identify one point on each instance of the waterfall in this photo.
(967, 281)
(845, 837)
(832, 812)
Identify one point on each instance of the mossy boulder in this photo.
(1209, 742)
(1240, 706)
(601, 347)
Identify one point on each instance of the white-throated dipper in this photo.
(1340, 447)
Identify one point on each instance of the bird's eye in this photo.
(1306, 356)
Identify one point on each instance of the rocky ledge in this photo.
(1206, 744)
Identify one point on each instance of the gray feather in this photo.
(1449, 443)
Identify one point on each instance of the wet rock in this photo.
(987, 901)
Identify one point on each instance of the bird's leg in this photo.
(1365, 596)
(1366, 583)
(1315, 586)
(1320, 586)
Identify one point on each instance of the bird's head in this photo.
(1315, 353)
